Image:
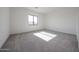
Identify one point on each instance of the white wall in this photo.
(77, 30)
(62, 20)
(4, 25)
(77, 25)
(19, 20)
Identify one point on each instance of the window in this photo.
(32, 20)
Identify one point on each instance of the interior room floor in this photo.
(28, 42)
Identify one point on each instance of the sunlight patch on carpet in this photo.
(45, 35)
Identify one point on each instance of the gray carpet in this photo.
(27, 42)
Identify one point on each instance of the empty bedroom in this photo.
(39, 29)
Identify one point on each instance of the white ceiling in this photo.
(43, 10)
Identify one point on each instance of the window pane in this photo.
(35, 19)
(30, 19)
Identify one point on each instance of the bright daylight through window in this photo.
(45, 35)
(32, 20)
